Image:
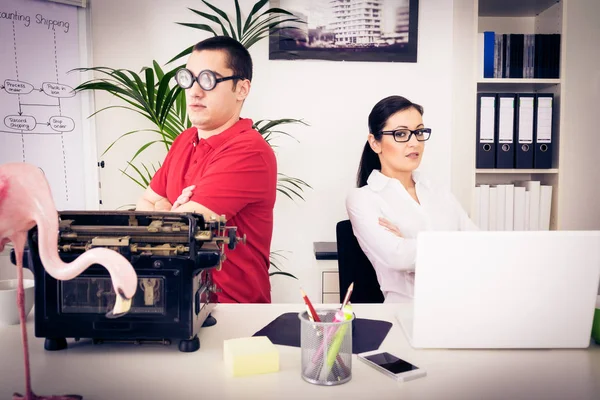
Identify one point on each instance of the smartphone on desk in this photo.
(392, 366)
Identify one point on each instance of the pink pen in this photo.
(339, 317)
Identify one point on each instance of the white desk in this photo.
(116, 371)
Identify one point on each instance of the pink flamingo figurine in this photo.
(26, 201)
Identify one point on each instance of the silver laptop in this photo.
(533, 289)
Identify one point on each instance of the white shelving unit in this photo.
(515, 85)
(525, 17)
(530, 81)
(516, 171)
(574, 176)
(514, 8)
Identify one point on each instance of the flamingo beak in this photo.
(122, 306)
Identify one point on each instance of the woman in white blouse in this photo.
(393, 202)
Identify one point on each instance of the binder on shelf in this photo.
(510, 55)
(488, 54)
(517, 43)
(527, 210)
(486, 126)
(493, 211)
(519, 209)
(506, 55)
(543, 131)
(545, 206)
(539, 52)
(484, 207)
(524, 145)
(475, 207)
(528, 59)
(555, 71)
(505, 134)
(532, 213)
(509, 204)
(500, 207)
(498, 60)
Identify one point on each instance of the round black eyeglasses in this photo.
(207, 79)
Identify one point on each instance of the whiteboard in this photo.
(41, 120)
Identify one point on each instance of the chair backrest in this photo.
(354, 266)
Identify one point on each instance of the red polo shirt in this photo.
(235, 173)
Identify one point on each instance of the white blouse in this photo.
(393, 257)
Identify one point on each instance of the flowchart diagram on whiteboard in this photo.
(40, 115)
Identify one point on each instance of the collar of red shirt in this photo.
(215, 141)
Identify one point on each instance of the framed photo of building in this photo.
(347, 30)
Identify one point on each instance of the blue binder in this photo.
(505, 132)
(543, 131)
(486, 128)
(489, 40)
(525, 116)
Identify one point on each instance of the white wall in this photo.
(464, 102)
(335, 98)
(580, 132)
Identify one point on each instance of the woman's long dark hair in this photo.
(377, 119)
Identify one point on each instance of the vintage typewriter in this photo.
(173, 255)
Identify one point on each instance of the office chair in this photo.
(354, 266)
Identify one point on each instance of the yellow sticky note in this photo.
(250, 356)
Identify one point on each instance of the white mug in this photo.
(9, 311)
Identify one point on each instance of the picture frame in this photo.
(347, 30)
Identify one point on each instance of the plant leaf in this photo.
(289, 190)
(127, 134)
(271, 123)
(139, 173)
(258, 26)
(257, 6)
(132, 178)
(250, 42)
(284, 192)
(202, 27)
(269, 12)
(168, 103)
(147, 171)
(282, 273)
(183, 53)
(124, 107)
(158, 69)
(238, 18)
(222, 15)
(150, 87)
(213, 19)
(144, 147)
(264, 31)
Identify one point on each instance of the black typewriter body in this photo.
(172, 254)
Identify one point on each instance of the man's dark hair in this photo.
(238, 57)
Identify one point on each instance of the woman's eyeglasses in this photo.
(404, 135)
(206, 79)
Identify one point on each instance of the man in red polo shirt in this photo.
(222, 166)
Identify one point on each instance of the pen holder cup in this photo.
(326, 349)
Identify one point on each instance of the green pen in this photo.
(336, 344)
